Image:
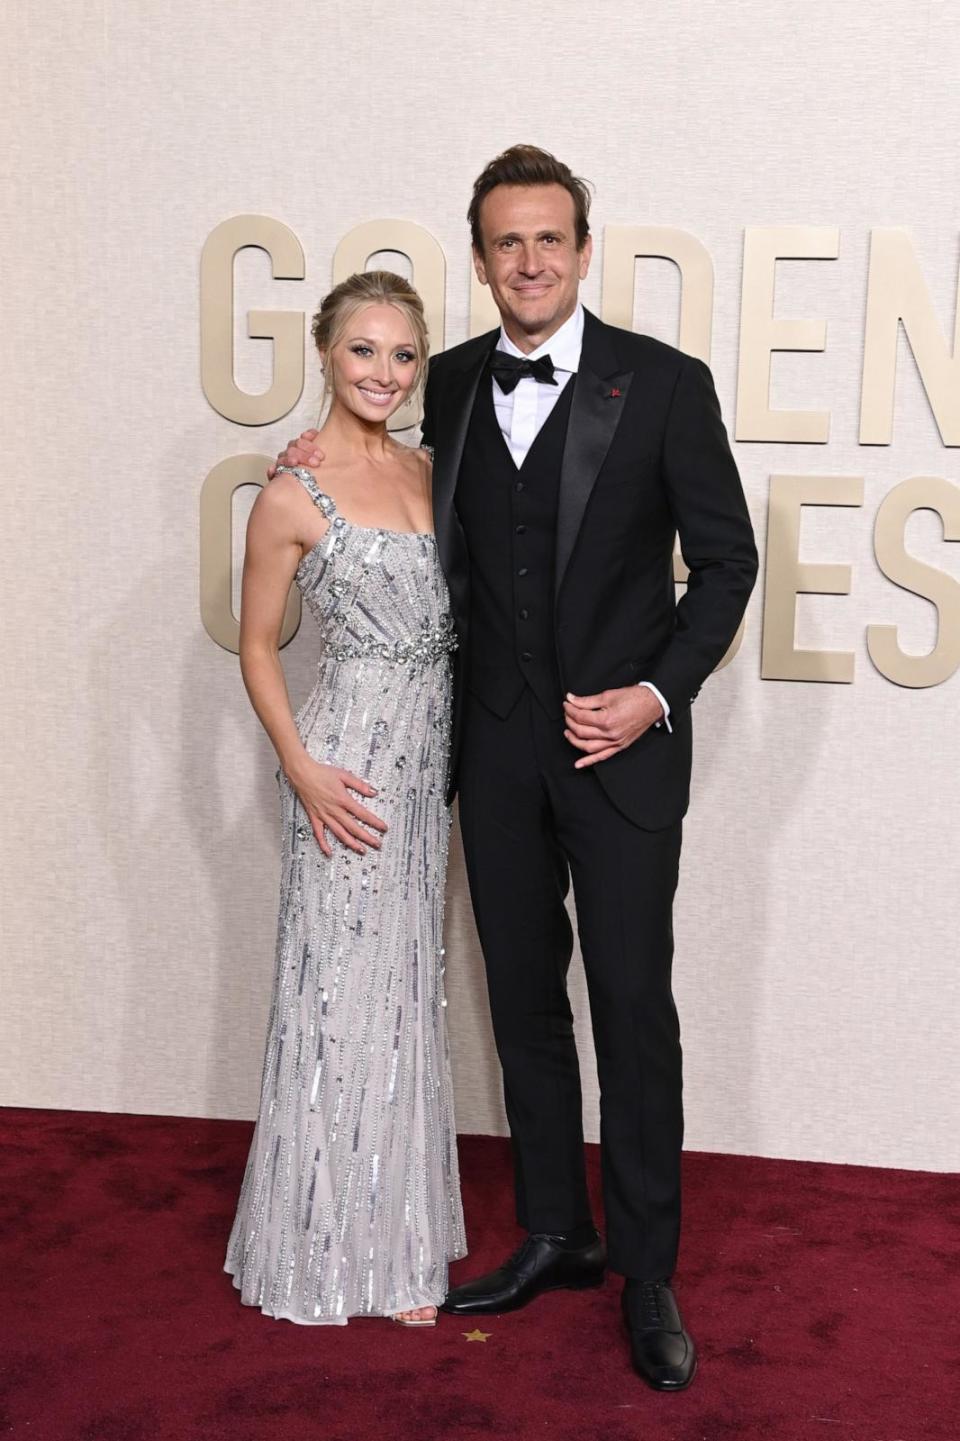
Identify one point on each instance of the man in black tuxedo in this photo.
(567, 457)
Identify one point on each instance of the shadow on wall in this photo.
(189, 820)
(232, 808)
(722, 918)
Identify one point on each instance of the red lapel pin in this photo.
(614, 394)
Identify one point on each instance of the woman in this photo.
(350, 1204)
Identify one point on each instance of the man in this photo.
(567, 457)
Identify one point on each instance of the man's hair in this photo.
(529, 165)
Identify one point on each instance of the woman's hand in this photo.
(326, 794)
(302, 451)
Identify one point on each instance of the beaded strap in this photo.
(319, 498)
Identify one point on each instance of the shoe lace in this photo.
(647, 1297)
(519, 1256)
(515, 1262)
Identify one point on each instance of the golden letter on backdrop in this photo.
(923, 492)
(761, 333)
(283, 327)
(897, 291)
(429, 268)
(216, 551)
(786, 578)
(624, 245)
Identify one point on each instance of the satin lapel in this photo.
(457, 407)
(599, 395)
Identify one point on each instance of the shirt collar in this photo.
(563, 347)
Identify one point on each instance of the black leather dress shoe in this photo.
(536, 1266)
(662, 1351)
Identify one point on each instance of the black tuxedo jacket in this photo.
(646, 458)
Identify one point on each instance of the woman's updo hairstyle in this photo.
(370, 287)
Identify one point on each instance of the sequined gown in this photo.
(350, 1202)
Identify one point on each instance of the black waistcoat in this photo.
(509, 518)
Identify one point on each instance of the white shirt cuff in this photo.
(648, 685)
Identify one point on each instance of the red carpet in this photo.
(825, 1301)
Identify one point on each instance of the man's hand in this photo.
(601, 725)
(302, 451)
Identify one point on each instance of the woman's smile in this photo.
(375, 395)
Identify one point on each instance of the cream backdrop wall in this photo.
(817, 923)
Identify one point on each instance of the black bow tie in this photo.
(509, 370)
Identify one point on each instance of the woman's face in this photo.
(374, 362)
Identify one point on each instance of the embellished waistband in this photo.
(424, 649)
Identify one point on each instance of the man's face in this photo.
(530, 259)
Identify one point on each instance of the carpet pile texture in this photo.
(825, 1301)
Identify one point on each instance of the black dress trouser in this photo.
(529, 822)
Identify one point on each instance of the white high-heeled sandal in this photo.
(403, 1320)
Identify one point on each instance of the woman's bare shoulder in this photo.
(285, 482)
(419, 461)
(413, 463)
(423, 460)
(283, 502)
(409, 454)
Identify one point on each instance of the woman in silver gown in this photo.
(350, 1203)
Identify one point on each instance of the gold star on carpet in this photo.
(476, 1335)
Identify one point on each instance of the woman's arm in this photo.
(272, 555)
(269, 565)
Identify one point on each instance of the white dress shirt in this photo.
(522, 411)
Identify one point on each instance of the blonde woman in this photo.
(350, 1203)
